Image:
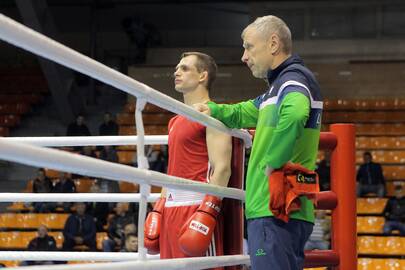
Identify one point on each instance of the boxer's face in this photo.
(186, 76)
(257, 54)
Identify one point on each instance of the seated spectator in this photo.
(78, 127)
(130, 228)
(41, 184)
(80, 229)
(323, 170)
(108, 153)
(98, 210)
(320, 236)
(108, 127)
(370, 177)
(43, 242)
(63, 185)
(116, 227)
(131, 243)
(395, 213)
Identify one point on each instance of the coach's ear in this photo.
(274, 44)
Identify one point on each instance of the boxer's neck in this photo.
(199, 95)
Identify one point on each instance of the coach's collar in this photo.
(272, 74)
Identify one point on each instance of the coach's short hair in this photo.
(267, 25)
(204, 63)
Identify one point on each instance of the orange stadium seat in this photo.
(126, 157)
(370, 224)
(126, 147)
(157, 118)
(52, 173)
(83, 185)
(390, 187)
(54, 221)
(382, 156)
(127, 187)
(10, 263)
(380, 129)
(125, 119)
(366, 264)
(127, 130)
(371, 205)
(149, 130)
(380, 142)
(366, 244)
(394, 172)
(100, 237)
(391, 245)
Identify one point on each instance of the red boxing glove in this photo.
(152, 227)
(196, 234)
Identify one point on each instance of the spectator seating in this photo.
(20, 239)
(380, 264)
(370, 224)
(371, 206)
(32, 220)
(382, 245)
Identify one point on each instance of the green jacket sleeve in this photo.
(240, 115)
(293, 114)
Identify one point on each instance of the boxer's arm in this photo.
(219, 147)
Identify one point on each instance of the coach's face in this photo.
(186, 75)
(257, 54)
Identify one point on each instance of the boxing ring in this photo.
(31, 151)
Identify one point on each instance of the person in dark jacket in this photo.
(43, 242)
(116, 227)
(108, 127)
(80, 229)
(63, 185)
(395, 213)
(41, 184)
(78, 128)
(370, 178)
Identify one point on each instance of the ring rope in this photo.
(68, 162)
(194, 263)
(75, 197)
(88, 140)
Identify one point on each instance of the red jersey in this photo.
(188, 154)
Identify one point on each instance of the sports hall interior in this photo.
(356, 50)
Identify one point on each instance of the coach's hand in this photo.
(203, 108)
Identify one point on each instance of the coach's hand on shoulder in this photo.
(152, 227)
(203, 108)
(196, 234)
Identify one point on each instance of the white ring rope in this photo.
(168, 264)
(74, 163)
(30, 40)
(75, 197)
(88, 140)
(70, 256)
